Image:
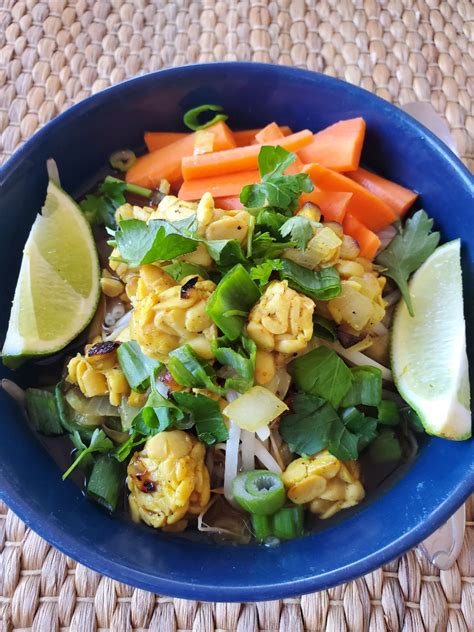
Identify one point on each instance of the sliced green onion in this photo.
(386, 448)
(191, 118)
(122, 159)
(389, 414)
(105, 482)
(43, 412)
(137, 367)
(288, 523)
(259, 492)
(262, 527)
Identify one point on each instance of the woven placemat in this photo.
(52, 54)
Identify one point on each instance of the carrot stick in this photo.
(247, 136)
(269, 133)
(218, 186)
(333, 204)
(368, 241)
(229, 203)
(238, 159)
(396, 196)
(157, 140)
(337, 147)
(149, 169)
(364, 205)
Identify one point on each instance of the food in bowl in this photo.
(235, 377)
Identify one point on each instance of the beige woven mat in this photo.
(53, 54)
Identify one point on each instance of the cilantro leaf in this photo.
(205, 415)
(299, 229)
(100, 209)
(407, 251)
(364, 427)
(269, 220)
(158, 414)
(313, 425)
(322, 372)
(276, 189)
(366, 388)
(320, 285)
(264, 247)
(158, 240)
(262, 272)
(181, 269)
(225, 252)
(99, 443)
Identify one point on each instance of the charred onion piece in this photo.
(188, 286)
(102, 348)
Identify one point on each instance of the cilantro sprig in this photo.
(413, 244)
(276, 189)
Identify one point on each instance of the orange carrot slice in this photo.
(333, 204)
(368, 241)
(228, 203)
(149, 169)
(235, 160)
(268, 133)
(218, 186)
(397, 197)
(157, 140)
(247, 136)
(364, 205)
(337, 147)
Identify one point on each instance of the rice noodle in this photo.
(276, 450)
(53, 171)
(379, 329)
(231, 459)
(14, 391)
(265, 458)
(358, 358)
(247, 450)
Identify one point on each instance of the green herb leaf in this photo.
(235, 291)
(324, 328)
(225, 252)
(265, 247)
(123, 451)
(262, 272)
(320, 285)
(158, 240)
(299, 229)
(322, 372)
(105, 482)
(191, 118)
(100, 209)
(99, 443)
(269, 220)
(181, 269)
(136, 366)
(242, 360)
(407, 251)
(276, 189)
(189, 370)
(43, 412)
(366, 387)
(158, 414)
(206, 415)
(359, 424)
(313, 425)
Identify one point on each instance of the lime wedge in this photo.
(58, 286)
(429, 359)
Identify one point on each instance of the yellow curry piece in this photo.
(168, 480)
(97, 372)
(324, 483)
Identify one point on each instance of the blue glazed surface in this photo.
(81, 140)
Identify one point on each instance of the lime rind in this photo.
(53, 300)
(428, 351)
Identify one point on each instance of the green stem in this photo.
(76, 463)
(132, 188)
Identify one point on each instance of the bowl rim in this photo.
(67, 543)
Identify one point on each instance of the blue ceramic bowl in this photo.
(81, 140)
